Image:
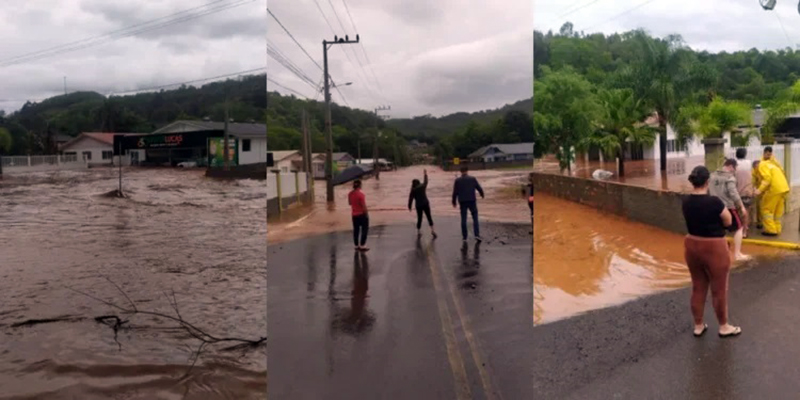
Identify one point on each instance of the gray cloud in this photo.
(713, 25)
(217, 44)
(427, 57)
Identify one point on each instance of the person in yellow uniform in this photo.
(773, 189)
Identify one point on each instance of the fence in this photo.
(285, 189)
(13, 164)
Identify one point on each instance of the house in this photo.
(249, 141)
(286, 161)
(503, 152)
(695, 146)
(94, 148)
(340, 162)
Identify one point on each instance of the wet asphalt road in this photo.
(645, 350)
(409, 319)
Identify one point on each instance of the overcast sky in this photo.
(714, 25)
(221, 43)
(428, 57)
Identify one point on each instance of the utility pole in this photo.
(328, 128)
(226, 146)
(375, 166)
(65, 86)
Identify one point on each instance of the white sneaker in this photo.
(742, 257)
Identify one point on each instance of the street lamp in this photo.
(335, 86)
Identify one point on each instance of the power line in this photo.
(289, 89)
(347, 55)
(278, 56)
(364, 50)
(295, 40)
(126, 32)
(580, 7)
(249, 71)
(780, 21)
(628, 11)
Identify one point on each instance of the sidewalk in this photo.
(790, 233)
(645, 349)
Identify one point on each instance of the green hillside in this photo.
(34, 124)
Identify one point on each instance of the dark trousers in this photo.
(472, 206)
(530, 205)
(360, 225)
(426, 209)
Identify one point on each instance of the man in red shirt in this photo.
(358, 204)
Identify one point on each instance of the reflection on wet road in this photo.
(387, 199)
(585, 260)
(177, 231)
(412, 318)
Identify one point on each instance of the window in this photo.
(672, 146)
(108, 154)
(87, 155)
(245, 145)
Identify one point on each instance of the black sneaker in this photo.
(478, 238)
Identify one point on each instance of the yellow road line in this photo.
(771, 243)
(474, 349)
(463, 391)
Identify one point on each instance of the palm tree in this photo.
(712, 121)
(662, 79)
(620, 124)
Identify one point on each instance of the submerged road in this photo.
(645, 349)
(412, 318)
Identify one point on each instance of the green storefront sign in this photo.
(216, 152)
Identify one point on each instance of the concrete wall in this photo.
(653, 207)
(24, 164)
(291, 185)
(250, 171)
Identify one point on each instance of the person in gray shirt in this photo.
(464, 193)
(723, 185)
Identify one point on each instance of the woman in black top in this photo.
(419, 196)
(707, 252)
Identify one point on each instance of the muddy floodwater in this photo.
(387, 200)
(585, 260)
(176, 232)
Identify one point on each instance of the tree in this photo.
(661, 78)
(621, 122)
(6, 141)
(566, 111)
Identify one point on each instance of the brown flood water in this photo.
(387, 200)
(177, 231)
(585, 260)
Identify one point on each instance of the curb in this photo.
(771, 243)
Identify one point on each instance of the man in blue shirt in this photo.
(464, 193)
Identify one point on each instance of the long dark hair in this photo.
(415, 184)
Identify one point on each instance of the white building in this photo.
(93, 148)
(284, 160)
(251, 138)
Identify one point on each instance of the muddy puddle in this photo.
(176, 232)
(585, 260)
(387, 200)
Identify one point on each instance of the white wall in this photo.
(288, 187)
(95, 147)
(257, 153)
(694, 147)
(284, 165)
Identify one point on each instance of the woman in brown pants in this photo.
(707, 253)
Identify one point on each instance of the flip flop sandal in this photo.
(735, 332)
(705, 328)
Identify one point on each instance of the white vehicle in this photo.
(187, 164)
